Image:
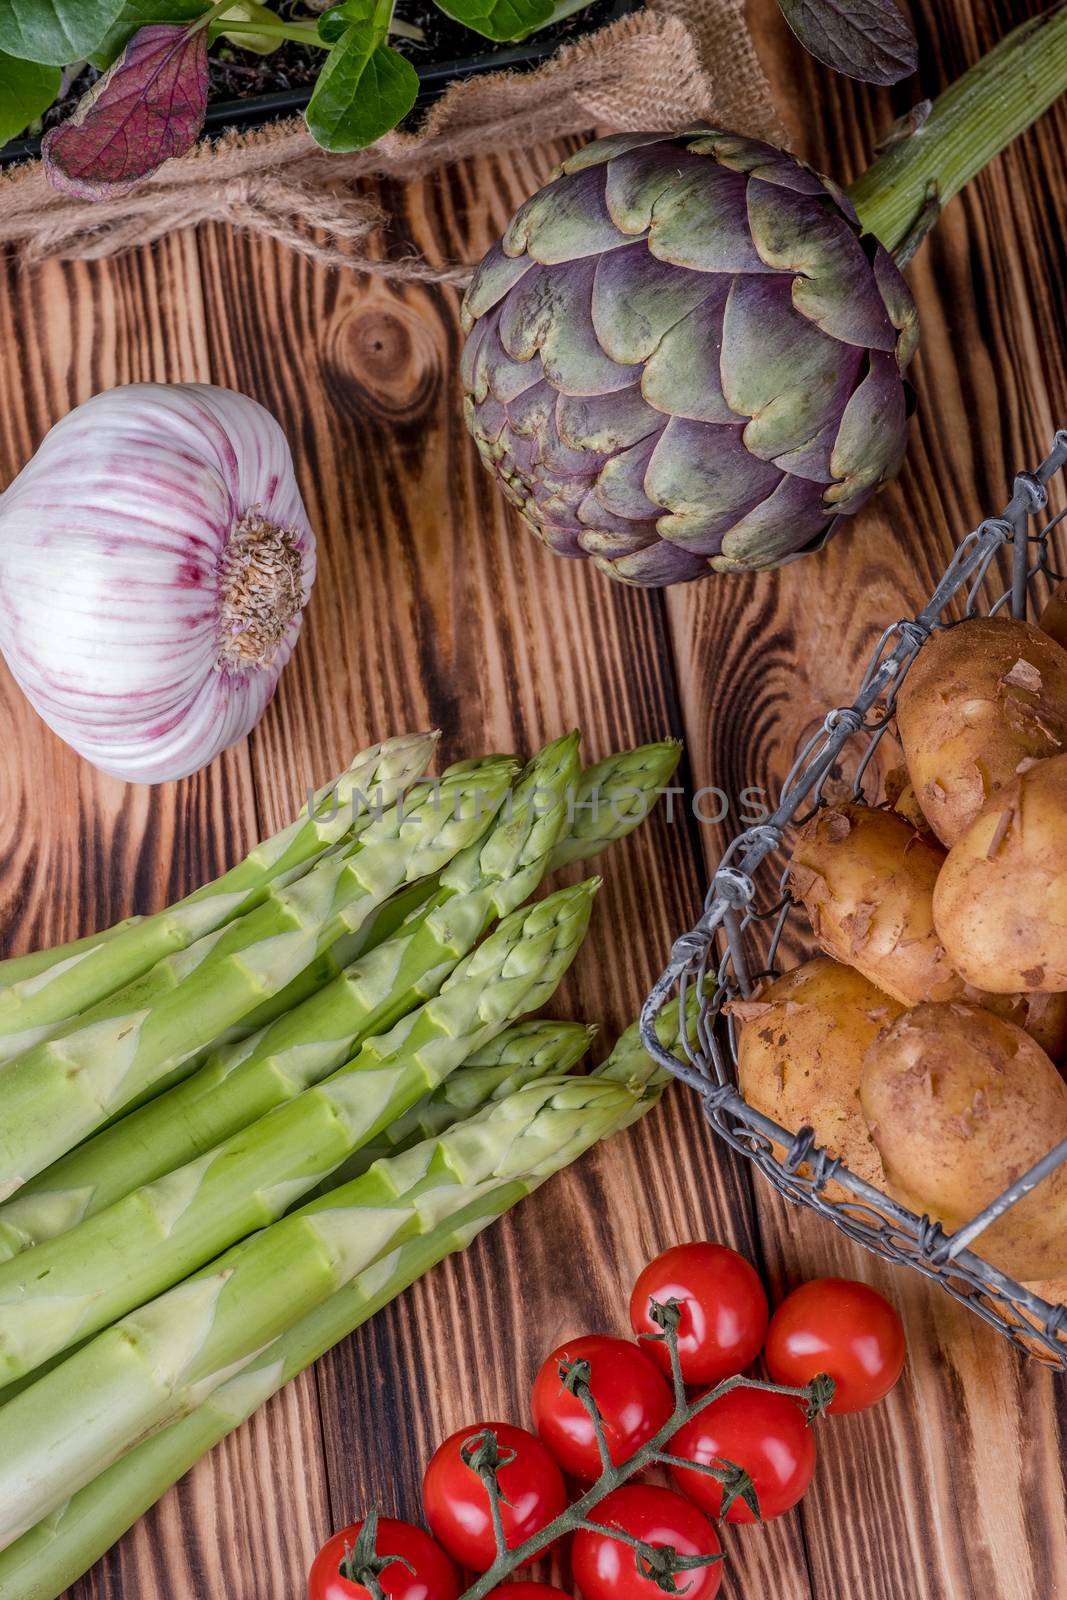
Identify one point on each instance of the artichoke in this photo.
(685, 356)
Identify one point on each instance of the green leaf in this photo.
(498, 19)
(333, 23)
(55, 32)
(135, 14)
(260, 44)
(26, 89)
(363, 91)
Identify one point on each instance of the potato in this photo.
(866, 879)
(801, 1053)
(900, 797)
(1053, 620)
(1000, 905)
(959, 1104)
(980, 700)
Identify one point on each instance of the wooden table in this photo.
(433, 606)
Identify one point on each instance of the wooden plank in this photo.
(954, 1488)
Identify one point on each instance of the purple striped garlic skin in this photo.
(155, 559)
(685, 358)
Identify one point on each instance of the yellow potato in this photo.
(801, 1053)
(980, 701)
(900, 797)
(960, 1104)
(866, 879)
(1000, 905)
(1053, 619)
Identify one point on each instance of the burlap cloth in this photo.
(661, 67)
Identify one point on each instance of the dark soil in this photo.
(239, 75)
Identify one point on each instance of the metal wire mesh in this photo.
(749, 921)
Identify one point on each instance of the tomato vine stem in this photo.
(651, 1560)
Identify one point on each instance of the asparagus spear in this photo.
(244, 1080)
(14, 968)
(516, 1057)
(71, 1286)
(230, 1326)
(62, 1090)
(32, 1007)
(613, 797)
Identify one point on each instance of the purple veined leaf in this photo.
(147, 107)
(866, 39)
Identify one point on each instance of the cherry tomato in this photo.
(767, 1434)
(433, 1576)
(632, 1397)
(605, 1569)
(844, 1329)
(457, 1501)
(723, 1310)
(527, 1591)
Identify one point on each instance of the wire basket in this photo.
(750, 923)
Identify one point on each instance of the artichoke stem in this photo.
(976, 117)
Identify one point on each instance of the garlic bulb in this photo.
(155, 558)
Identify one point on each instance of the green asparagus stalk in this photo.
(613, 797)
(172, 1355)
(610, 799)
(63, 1090)
(48, 1559)
(40, 1001)
(246, 1079)
(13, 969)
(71, 1286)
(516, 1057)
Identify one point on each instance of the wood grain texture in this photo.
(433, 605)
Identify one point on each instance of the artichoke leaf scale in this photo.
(780, 370)
(871, 439)
(607, 151)
(789, 518)
(812, 460)
(637, 299)
(606, 422)
(621, 485)
(563, 223)
(707, 480)
(658, 564)
(495, 277)
(702, 222)
(834, 286)
(759, 160)
(635, 183)
(549, 314)
(682, 376)
(899, 305)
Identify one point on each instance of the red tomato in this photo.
(434, 1577)
(457, 1501)
(844, 1329)
(605, 1569)
(632, 1397)
(767, 1434)
(527, 1591)
(723, 1307)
